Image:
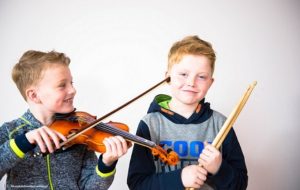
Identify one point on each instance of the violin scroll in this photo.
(170, 157)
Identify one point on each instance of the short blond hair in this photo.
(28, 71)
(191, 45)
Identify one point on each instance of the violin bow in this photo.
(230, 120)
(96, 122)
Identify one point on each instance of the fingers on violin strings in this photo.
(118, 145)
(61, 136)
(52, 141)
(107, 144)
(124, 144)
(54, 138)
(39, 141)
(45, 140)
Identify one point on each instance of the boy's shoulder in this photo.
(218, 114)
(10, 124)
(15, 126)
(8, 128)
(154, 116)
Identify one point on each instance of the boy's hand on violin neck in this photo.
(116, 147)
(47, 139)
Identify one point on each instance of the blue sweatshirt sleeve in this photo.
(232, 174)
(142, 171)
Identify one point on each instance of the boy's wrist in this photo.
(23, 144)
(104, 168)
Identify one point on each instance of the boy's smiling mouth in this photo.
(69, 100)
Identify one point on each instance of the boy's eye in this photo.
(203, 77)
(183, 74)
(62, 85)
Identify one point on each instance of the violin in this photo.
(83, 128)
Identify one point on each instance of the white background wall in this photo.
(119, 49)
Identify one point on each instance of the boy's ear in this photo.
(212, 81)
(32, 95)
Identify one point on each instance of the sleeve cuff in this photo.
(23, 144)
(15, 148)
(103, 170)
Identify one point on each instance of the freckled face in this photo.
(190, 80)
(55, 90)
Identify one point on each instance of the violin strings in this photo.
(113, 130)
(116, 131)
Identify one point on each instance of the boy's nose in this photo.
(72, 90)
(190, 81)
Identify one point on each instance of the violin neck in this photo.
(128, 136)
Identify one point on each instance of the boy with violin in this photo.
(45, 82)
(185, 123)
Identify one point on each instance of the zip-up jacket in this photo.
(186, 137)
(73, 168)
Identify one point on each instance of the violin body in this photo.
(83, 128)
(92, 138)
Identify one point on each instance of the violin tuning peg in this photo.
(169, 150)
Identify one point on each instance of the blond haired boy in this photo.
(45, 82)
(185, 123)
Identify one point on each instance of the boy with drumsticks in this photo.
(45, 82)
(185, 123)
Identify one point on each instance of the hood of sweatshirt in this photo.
(160, 104)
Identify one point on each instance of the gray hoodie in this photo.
(74, 168)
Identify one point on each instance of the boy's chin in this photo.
(67, 110)
(190, 102)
